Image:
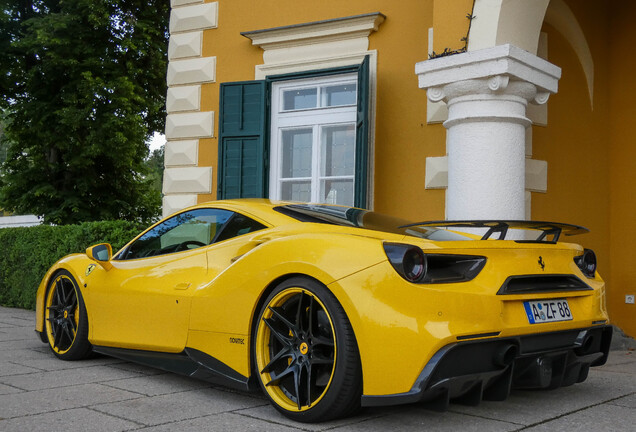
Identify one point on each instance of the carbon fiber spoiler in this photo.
(552, 229)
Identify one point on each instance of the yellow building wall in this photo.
(590, 149)
(622, 163)
(451, 24)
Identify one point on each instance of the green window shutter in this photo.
(362, 136)
(242, 166)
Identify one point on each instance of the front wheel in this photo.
(306, 353)
(65, 318)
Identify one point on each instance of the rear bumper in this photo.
(468, 372)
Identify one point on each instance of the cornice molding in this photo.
(318, 31)
(499, 60)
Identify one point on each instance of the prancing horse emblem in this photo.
(541, 263)
(90, 269)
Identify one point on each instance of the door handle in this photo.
(182, 286)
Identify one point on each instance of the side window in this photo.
(237, 226)
(184, 231)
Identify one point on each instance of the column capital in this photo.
(488, 70)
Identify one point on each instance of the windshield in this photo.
(354, 217)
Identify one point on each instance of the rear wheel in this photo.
(65, 318)
(306, 353)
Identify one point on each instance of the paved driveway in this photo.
(40, 392)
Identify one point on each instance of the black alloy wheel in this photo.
(66, 323)
(306, 353)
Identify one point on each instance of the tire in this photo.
(305, 353)
(66, 323)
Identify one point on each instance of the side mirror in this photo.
(102, 253)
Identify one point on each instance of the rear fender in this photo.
(235, 292)
(234, 295)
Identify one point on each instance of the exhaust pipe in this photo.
(505, 355)
(584, 343)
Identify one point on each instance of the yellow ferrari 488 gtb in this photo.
(330, 308)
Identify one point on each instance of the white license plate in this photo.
(542, 311)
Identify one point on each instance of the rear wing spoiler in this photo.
(550, 231)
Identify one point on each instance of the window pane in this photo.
(296, 153)
(337, 95)
(337, 192)
(300, 99)
(338, 150)
(296, 191)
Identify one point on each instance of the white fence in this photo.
(19, 221)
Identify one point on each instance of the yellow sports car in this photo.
(330, 308)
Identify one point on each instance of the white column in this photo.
(487, 93)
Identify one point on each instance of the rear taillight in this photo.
(587, 263)
(409, 261)
(415, 266)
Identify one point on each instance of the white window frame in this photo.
(314, 118)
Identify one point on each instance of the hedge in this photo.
(27, 253)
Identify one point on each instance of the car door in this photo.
(240, 235)
(144, 301)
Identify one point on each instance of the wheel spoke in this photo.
(54, 326)
(58, 336)
(67, 333)
(310, 325)
(308, 384)
(291, 369)
(285, 352)
(319, 340)
(281, 317)
(71, 321)
(281, 338)
(58, 288)
(299, 322)
(69, 297)
(297, 372)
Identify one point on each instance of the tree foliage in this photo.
(83, 87)
(154, 165)
(3, 143)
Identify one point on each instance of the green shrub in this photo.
(27, 253)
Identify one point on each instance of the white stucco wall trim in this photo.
(515, 22)
(188, 70)
(185, 45)
(181, 153)
(173, 203)
(194, 17)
